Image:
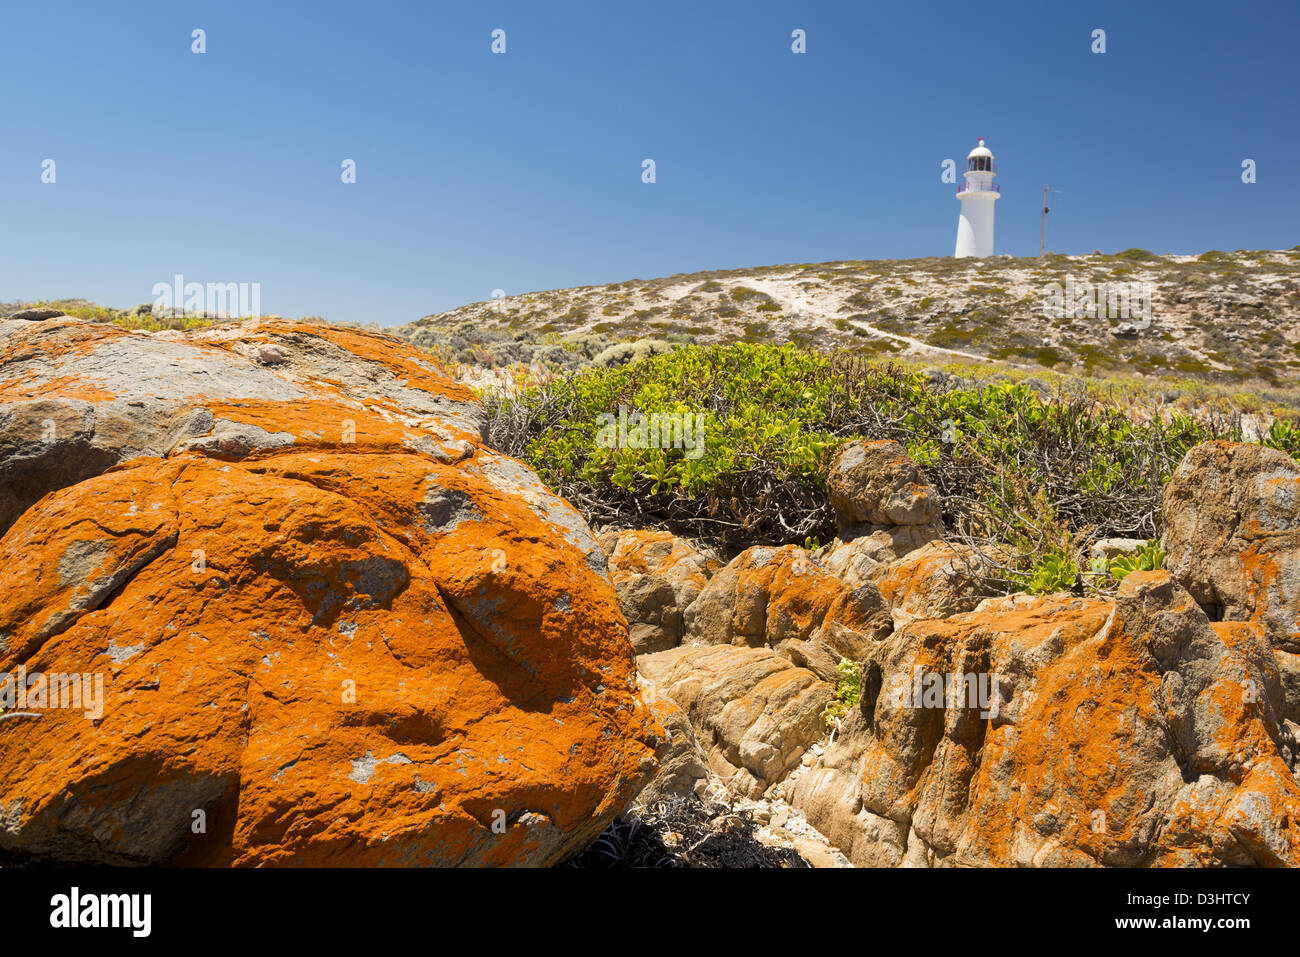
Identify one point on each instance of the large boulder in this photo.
(753, 711)
(332, 628)
(656, 575)
(780, 598)
(1232, 535)
(876, 484)
(1065, 731)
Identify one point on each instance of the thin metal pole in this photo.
(1042, 236)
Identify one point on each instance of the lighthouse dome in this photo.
(980, 159)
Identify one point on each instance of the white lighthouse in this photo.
(975, 225)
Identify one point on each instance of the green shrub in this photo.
(1047, 357)
(1010, 465)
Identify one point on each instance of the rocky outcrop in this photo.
(884, 508)
(1232, 535)
(332, 628)
(1066, 731)
(780, 598)
(876, 484)
(753, 711)
(938, 580)
(656, 575)
(683, 765)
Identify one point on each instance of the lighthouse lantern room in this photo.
(975, 225)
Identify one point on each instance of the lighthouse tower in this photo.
(975, 226)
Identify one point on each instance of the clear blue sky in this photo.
(523, 171)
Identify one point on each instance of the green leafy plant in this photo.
(1148, 558)
(1055, 571)
(848, 691)
(1283, 435)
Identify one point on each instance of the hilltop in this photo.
(1226, 318)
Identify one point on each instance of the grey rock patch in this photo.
(82, 558)
(121, 653)
(363, 768)
(11, 815)
(36, 314)
(444, 509)
(233, 440)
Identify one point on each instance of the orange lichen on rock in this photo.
(25, 386)
(656, 575)
(392, 651)
(1128, 734)
(1232, 534)
(780, 598)
(654, 552)
(82, 397)
(937, 580)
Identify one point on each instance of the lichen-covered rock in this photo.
(77, 398)
(656, 576)
(780, 598)
(753, 711)
(1289, 668)
(1068, 732)
(683, 765)
(936, 581)
(860, 557)
(1232, 535)
(875, 483)
(368, 640)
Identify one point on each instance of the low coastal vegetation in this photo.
(1046, 469)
